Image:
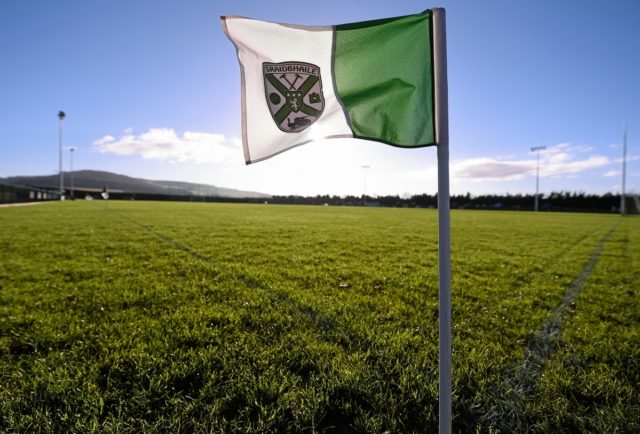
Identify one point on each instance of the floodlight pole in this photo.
(623, 205)
(71, 150)
(61, 116)
(364, 195)
(537, 149)
(444, 219)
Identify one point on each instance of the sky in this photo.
(151, 89)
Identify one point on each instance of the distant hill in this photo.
(95, 180)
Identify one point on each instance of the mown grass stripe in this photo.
(322, 321)
(180, 246)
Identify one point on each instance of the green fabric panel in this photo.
(384, 79)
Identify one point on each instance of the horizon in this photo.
(344, 196)
(151, 90)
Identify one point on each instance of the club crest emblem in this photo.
(294, 94)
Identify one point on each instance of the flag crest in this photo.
(293, 91)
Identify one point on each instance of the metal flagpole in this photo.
(623, 208)
(444, 223)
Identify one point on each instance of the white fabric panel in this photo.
(257, 42)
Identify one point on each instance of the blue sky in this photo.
(151, 89)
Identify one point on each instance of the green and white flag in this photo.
(370, 80)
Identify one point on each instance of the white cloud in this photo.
(559, 161)
(104, 140)
(612, 172)
(166, 145)
(566, 167)
(485, 168)
(629, 158)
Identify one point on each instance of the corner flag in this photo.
(382, 80)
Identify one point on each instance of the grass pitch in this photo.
(146, 317)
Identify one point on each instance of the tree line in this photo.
(555, 201)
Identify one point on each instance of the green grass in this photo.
(183, 317)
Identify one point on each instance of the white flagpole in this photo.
(444, 223)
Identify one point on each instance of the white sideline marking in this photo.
(539, 350)
(6, 205)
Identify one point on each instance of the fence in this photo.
(15, 194)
